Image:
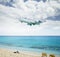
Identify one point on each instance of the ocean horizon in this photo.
(32, 43)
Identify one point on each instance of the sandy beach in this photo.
(10, 53)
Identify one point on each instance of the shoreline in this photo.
(9, 52)
(38, 51)
(4, 52)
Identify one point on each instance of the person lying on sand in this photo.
(16, 52)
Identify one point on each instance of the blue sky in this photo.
(30, 11)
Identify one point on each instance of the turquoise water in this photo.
(34, 43)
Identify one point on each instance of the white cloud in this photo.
(30, 11)
(14, 27)
(56, 28)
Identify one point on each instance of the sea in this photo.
(48, 44)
